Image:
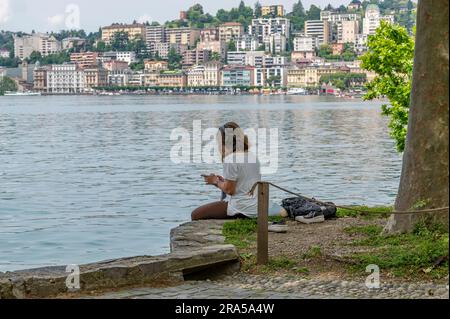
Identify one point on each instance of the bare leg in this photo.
(216, 210)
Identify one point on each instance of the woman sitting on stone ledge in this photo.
(241, 170)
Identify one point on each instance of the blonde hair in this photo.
(237, 142)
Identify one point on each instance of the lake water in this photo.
(85, 178)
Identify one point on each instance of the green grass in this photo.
(385, 210)
(313, 252)
(242, 232)
(403, 255)
(279, 263)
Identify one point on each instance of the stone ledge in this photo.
(194, 246)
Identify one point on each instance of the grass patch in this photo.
(404, 255)
(368, 230)
(313, 252)
(242, 232)
(278, 263)
(385, 210)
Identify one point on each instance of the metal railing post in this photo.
(263, 220)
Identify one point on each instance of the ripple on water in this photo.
(89, 178)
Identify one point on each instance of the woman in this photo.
(241, 170)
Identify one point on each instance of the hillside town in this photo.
(301, 52)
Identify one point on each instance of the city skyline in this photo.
(50, 15)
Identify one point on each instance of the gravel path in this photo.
(244, 286)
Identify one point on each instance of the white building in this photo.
(264, 28)
(319, 30)
(65, 79)
(251, 58)
(361, 43)
(372, 19)
(247, 43)
(336, 16)
(39, 42)
(127, 56)
(277, 43)
(303, 43)
(4, 53)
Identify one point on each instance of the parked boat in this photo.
(296, 91)
(22, 93)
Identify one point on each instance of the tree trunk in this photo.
(424, 180)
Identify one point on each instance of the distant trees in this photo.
(325, 51)
(257, 11)
(313, 13)
(56, 58)
(343, 80)
(174, 60)
(298, 16)
(7, 84)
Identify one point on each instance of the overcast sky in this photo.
(50, 15)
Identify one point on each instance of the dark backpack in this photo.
(300, 206)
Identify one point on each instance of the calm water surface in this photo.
(84, 179)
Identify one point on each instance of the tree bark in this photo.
(424, 179)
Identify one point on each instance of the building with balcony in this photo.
(236, 75)
(172, 79)
(65, 78)
(230, 31)
(84, 59)
(318, 30)
(182, 36)
(272, 11)
(264, 28)
(134, 31)
(95, 76)
(45, 44)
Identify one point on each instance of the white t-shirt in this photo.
(245, 170)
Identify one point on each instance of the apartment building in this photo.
(114, 65)
(373, 18)
(212, 73)
(72, 42)
(84, 59)
(251, 58)
(303, 43)
(273, 11)
(65, 78)
(196, 76)
(155, 65)
(216, 46)
(182, 36)
(155, 34)
(310, 76)
(247, 43)
(346, 31)
(237, 75)
(43, 43)
(209, 34)
(195, 56)
(319, 30)
(332, 17)
(277, 43)
(264, 28)
(4, 53)
(133, 30)
(172, 79)
(40, 78)
(230, 31)
(95, 77)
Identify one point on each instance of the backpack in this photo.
(300, 206)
